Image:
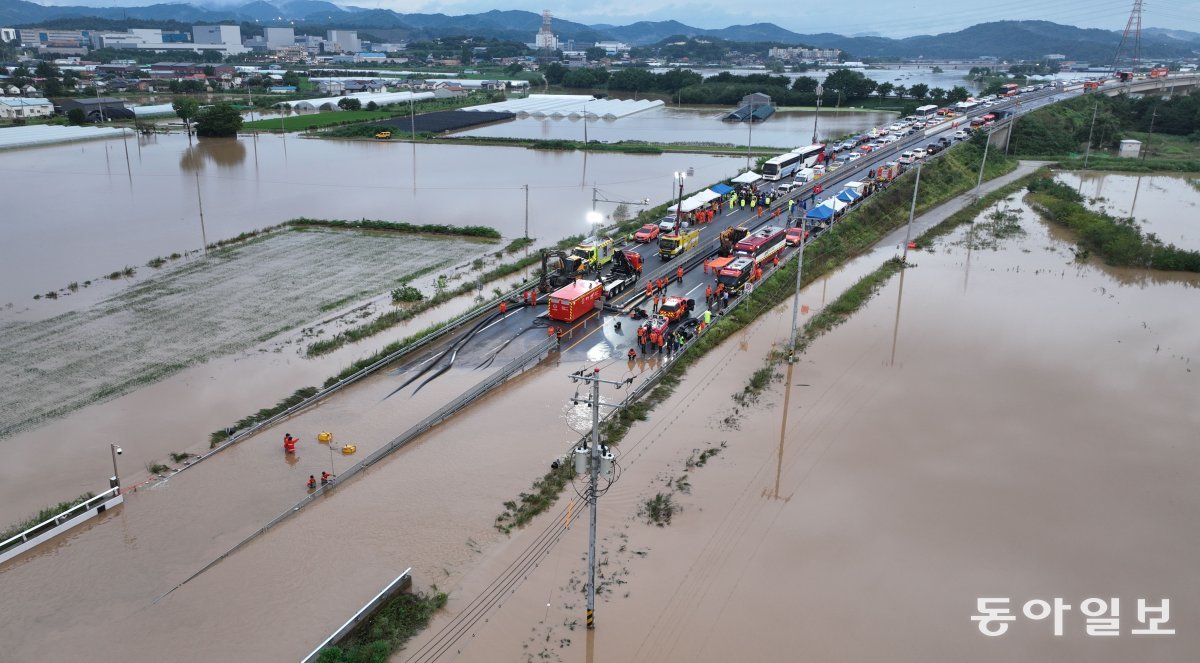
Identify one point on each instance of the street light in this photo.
(116, 451)
(595, 219)
(820, 92)
(679, 177)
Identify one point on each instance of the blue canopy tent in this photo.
(720, 189)
(820, 213)
(848, 196)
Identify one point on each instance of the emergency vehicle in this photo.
(571, 302)
(591, 253)
(761, 245)
(674, 244)
(676, 308)
(737, 273)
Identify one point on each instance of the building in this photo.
(8, 34)
(545, 38)
(1130, 149)
(95, 109)
(19, 108)
(613, 47)
(278, 38)
(809, 54)
(342, 41)
(227, 35)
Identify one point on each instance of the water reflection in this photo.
(225, 153)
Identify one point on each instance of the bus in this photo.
(761, 245)
(926, 112)
(811, 155)
(1009, 89)
(781, 166)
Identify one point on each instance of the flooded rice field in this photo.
(1001, 422)
(118, 214)
(665, 124)
(1165, 204)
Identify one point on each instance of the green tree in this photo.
(850, 85)
(579, 78)
(514, 69)
(372, 106)
(52, 87)
(919, 91)
(957, 93)
(218, 121)
(885, 89)
(937, 94)
(596, 54)
(901, 91)
(69, 80)
(554, 73)
(349, 103)
(291, 78)
(46, 70)
(76, 116)
(187, 109)
(210, 70)
(805, 85)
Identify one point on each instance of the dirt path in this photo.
(191, 313)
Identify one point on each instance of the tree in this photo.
(554, 73)
(218, 121)
(957, 93)
(937, 70)
(596, 54)
(885, 89)
(69, 80)
(186, 108)
(372, 106)
(210, 70)
(806, 85)
(901, 91)
(52, 87)
(849, 85)
(76, 116)
(937, 94)
(514, 69)
(919, 90)
(46, 70)
(579, 78)
(291, 78)
(349, 103)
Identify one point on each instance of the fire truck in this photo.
(1159, 72)
(675, 309)
(762, 245)
(737, 274)
(591, 253)
(571, 302)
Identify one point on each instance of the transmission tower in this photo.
(1131, 37)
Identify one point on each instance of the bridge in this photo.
(1158, 87)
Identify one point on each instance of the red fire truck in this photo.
(762, 244)
(737, 273)
(573, 301)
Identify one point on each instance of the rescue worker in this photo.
(641, 338)
(325, 478)
(708, 295)
(656, 301)
(503, 307)
(312, 482)
(661, 341)
(632, 354)
(550, 331)
(649, 288)
(679, 275)
(707, 317)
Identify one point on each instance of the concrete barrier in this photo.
(401, 583)
(63, 522)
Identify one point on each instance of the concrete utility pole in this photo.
(820, 93)
(987, 142)
(599, 462)
(912, 211)
(1088, 152)
(526, 211)
(116, 477)
(796, 297)
(680, 177)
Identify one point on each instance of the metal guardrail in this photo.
(48, 529)
(401, 582)
(59, 518)
(501, 376)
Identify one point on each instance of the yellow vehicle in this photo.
(591, 253)
(672, 245)
(383, 135)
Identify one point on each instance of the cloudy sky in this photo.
(890, 18)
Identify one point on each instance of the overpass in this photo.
(1158, 87)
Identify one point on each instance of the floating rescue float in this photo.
(324, 437)
(349, 449)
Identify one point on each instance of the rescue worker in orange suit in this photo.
(679, 275)
(632, 354)
(289, 443)
(325, 478)
(312, 482)
(708, 294)
(503, 307)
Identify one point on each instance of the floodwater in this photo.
(120, 213)
(951, 75)
(667, 124)
(1164, 204)
(998, 423)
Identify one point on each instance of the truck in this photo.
(573, 301)
(675, 309)
(591, 253)
(672, 245)
(762, 245)
(626, 269)
(737, 273)
(1159, 72)
(729, 238)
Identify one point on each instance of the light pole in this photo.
(820, 92)
(679, 177)
(749, 134)
(116, 480)
(796, 300)
(585, 136)
(596, 220)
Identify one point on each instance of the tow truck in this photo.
(626, 269)
(677, 242)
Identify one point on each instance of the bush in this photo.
(407, 293)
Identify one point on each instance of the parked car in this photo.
(647, 233)
(792, 236)
(932, 149)
(945, 141)
(668, 224)
(919, 153)
(906, 158)
(961, 134)
(784, 188)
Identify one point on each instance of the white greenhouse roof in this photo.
(569, 105)
(157, 109)
(44, 134)
(381, 98)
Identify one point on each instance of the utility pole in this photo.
(599, 461)
(1087, 153)
(1151, 136)
(749, 135)
(526, 211)
(680, 176)
(200, 204)
(912, 211)
(796, 298)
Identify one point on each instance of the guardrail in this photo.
(402, 582)
(511, 369)
(48, 529)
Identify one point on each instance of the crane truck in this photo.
(626, 269)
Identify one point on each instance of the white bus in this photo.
(926, 112)
(781, 166)
(810, 154)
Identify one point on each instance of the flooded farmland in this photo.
(123, 215)
(1165, 204)
(1002, 422)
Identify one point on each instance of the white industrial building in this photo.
(278, 38)
(342, 41)
(380, 98)
(19, 107)
(217, 34)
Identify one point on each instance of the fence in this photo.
(48, 529)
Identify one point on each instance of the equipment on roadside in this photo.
(729, 239)
(571, 302)
(626, 269)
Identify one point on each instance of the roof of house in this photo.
(19, 101)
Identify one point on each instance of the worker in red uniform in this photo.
(503, 307)
(325, 478)
(679, 275)
(649, 288)
(312, 482)
(708, 294)
(656, 301)
(632, 354)
(289, 443)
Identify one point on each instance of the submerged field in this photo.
(224, 304)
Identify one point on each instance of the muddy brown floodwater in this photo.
(115, 217)
(1001, 423)
(1165, 204)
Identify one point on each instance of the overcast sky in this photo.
(889, 18)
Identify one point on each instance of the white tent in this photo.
(748, 177)
(697, 201)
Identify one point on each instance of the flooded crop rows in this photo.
(192, 312)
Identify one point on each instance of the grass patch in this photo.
(519, 244)
(659, 509)
(388, 630)
(179, 456)
(299, 395)
(156, 262)
(542, 496)
(407, 293)
(43, 515)
(1119, 241)
(399, 227)
(702, 459)
(156, 468)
